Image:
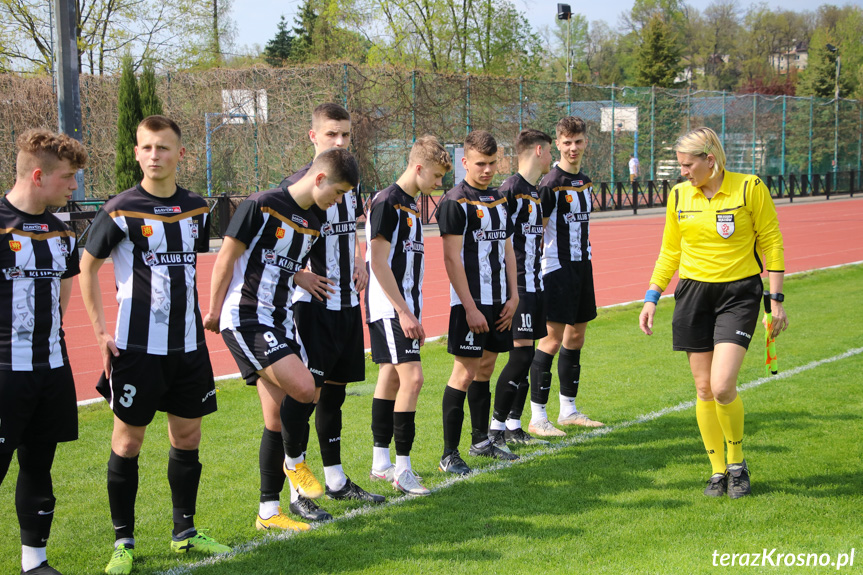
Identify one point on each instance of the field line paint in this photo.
(569, 441)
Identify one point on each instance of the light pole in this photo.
(564, 12)
(835, 50)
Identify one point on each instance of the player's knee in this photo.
(126, 446)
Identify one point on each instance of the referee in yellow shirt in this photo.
(718, 227)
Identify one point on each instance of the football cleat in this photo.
(281, 521)
(309, 510)
(388, 474)
(544, 428)
(304, 481)
(121, 561)
(496, 436)
(580, 419)
(521, 437)
(44, 569)
(409, 483)
(489, 449)
(199, 543)
(453, 463)
(353, 491)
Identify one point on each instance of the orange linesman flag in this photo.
(771, 362)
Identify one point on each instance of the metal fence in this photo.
(768, 135)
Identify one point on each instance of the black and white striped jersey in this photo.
(566, 202)
(334, 257)
(525, 211)
(279, 235)
(154, 243)
(394, 215)
(480, 216)
(36, 252)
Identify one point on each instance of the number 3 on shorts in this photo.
(128, 395)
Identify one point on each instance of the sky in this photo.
(257, 20)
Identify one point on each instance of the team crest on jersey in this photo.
(13, 273)
(299, 220)
(36, 227)
(193, 230)
(354, 201)
(569, 198)
(725, 225)
(479, 213)
(15, 245)
(61, 245)
(164, 210)
(268, 257)
(147, 231)
(530, 208)
(410, 222)
(280, 233)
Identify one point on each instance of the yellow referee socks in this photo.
(731, 419)
(711, 433)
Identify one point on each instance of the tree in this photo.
(819, 77)
(151, 105)
(278, 49)
(658, 56)
(126, 169)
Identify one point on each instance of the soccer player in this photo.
(394, 310)
(525, 211)
(718, 226)
(38, 259)
(567, 276)
(480, 263)
(157, 359)
(268, 241)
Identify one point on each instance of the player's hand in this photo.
(319, 286)
(361, 276)
(108, 349)
(411, 327)
(211, 321)
(504, 322)
(645, 318)
(780, 318)
(476, 320)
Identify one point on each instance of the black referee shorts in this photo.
(709, 313)
(37, 406)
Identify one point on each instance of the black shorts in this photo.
(462, 342)
(255, 348)
(331, 342)
(709, 313)
(569, 294)
(390, 344)
(142, 384)
(529, 319)
(37, 407)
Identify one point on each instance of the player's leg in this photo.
(410, 376)
(383, 407)
(463, 372)
(507, 390)
(126, 442)
(540, 380)
(34, 503)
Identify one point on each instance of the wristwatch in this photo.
(780, 297)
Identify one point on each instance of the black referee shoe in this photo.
(353, 491)
(308, 510)
(42, 569)
(717, 485)
(738, 480)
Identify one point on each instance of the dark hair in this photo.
(330, 111)
(570, 126)
(159, 123)
(529, 139)
(481, 141)
(339, 165)
(40, 148)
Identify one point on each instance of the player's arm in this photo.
(92, 296)
(411, 326)
(361, 276)
(65, 295)
(504, 322)
(223, 270)
(452, 246)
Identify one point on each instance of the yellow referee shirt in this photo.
(720, 239)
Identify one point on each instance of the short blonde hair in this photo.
(701, 142)
(44, 149)
(428, 150)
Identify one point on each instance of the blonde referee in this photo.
(721, 231)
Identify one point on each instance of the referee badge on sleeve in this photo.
(725, 225)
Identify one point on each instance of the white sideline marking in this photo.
(569, 441)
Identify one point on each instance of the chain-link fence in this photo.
(768, 135)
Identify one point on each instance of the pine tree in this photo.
(126, 169)
(659, 56)
(151, 105)
(278, 50)
(304, 33)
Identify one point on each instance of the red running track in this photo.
(817, 234)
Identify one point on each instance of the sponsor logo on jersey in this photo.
(569, 198)
(299, 220)
(152, 258)
(147, 231)
(275, 349)
(208, 395)
(15, 245)
(530, 230)
(479, 214)
(280, 233)
(271, 258)
(316, 371)
(36, 227)
(725, 225)
(193, 230)
(413, 246)
(572, 218)
(163, 210)
(338, 228)
(486, 198)
(577, 183)
(489, 236)
(414, 207)
(17, 273)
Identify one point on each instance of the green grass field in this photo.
(624, 500)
